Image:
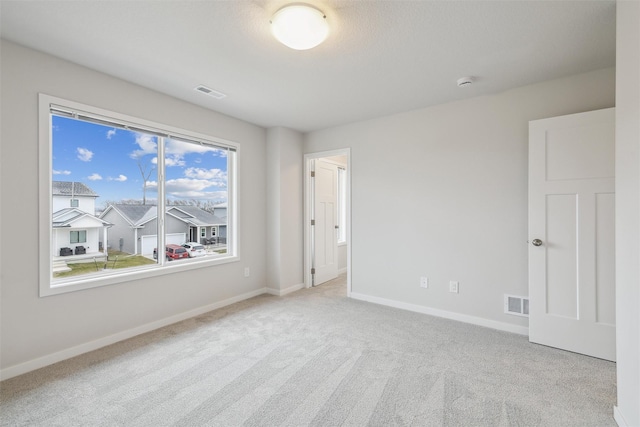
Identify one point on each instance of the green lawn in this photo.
(116, 260)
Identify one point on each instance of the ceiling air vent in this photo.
(212, 93)
(516, 305)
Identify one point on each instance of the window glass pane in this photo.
(196, 189)
(102, 181)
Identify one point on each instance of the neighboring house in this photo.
(75, 227)
(135, 227)
(68, 194)
(220, 210)
(203, 225)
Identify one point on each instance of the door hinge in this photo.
(313, 174)
(313, 222)
(313, 271)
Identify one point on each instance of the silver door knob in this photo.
(536, 242)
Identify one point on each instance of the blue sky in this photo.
(107, 160)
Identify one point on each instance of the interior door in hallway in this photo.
(325, 211)
(571, 233)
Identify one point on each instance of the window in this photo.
(214, 231)
(203, 232)
(135, 186)
(79, 236)
(342, 205)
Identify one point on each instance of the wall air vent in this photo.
(212, 93)
(516, 305)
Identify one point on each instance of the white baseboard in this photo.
(617, 416)
(479, 321)
(41, 362)
(282, 292)
(342, 270)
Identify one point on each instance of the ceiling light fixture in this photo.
(299, 26)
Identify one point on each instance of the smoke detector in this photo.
(465, 81)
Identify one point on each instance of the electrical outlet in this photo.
(453, 287)
(424, 282)
(247, 272)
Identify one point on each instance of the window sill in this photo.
(65, 285)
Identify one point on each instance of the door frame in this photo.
(308, 250)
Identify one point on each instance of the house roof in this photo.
(138, 215)
(66, 217)
(71, 188)
(195, 216)
(133, 214)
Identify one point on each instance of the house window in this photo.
(136, 187)
(342, 205)
(78, 236)
(203, 232)
(214, 231)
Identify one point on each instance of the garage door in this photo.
(149, 243)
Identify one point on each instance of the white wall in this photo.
(284, 210)
(628, 212)
(85, 204)
(33, 327)
(456, 177)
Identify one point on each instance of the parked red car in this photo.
(176, 252)
(173, 252)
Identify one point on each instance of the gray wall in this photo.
(33, 327)
(119, 229)
(628, 212)
(456, 177)
(284, 208)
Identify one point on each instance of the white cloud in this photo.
(147, 144)
(110, 133)
(186, 184)
(94, 177)
(174, 150)
(199, 173)
(174, 160)
(207, 195)
(180, 148)
(55, 172)
(120, 178)
(84, 154)
(185, 188)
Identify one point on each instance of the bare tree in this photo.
(145, 178)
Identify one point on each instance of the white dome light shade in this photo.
(299, 26)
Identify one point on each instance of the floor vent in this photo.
(516, 305)
(208, 91)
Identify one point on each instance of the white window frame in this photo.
(214, 231)
(49, 286)
(203, 232)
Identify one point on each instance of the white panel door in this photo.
(571, 233)
(325, 210)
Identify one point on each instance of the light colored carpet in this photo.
(316, 358)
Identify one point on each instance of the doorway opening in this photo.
(327, 213)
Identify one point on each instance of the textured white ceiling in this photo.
(381, 57)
